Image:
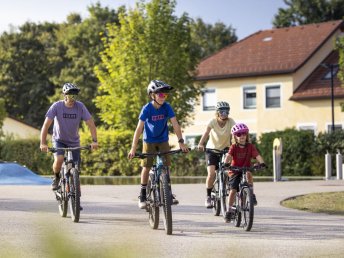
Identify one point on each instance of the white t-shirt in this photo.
(220, 138)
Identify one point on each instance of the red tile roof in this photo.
(316, 86)
(275, 51)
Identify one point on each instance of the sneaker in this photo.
(55, 183)
(229, 215)
(254, 200)
(174, 200)
(142, 202)
(208, 203)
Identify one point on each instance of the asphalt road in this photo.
(111, 225)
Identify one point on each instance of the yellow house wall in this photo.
(19, 130)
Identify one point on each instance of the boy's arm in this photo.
(93, 130)
(137, 134)
(260, 159)
(178, 132)
(44, 133)
(228, 158)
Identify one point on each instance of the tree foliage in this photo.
(25, 71)
(208, 39)
(301, 12)
(80, 41)
(150, 43)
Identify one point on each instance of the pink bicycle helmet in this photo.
(239, 128)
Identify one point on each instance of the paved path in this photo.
(112, 226)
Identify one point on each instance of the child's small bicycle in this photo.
(243, 206)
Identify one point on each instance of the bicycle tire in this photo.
(153, 204)
(166, 197)
(215, 198)
(74, 204)
(247, 208)
(237, 211)
(224, 195)
(62, 199)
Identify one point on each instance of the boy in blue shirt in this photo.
(153, 124)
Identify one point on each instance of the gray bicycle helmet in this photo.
(70, 88)
(222, 105)
(156, 86)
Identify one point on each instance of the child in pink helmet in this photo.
(240, 155)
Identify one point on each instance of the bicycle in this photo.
(69, 186)
(243, 205)
(219, 192)
(159, 191)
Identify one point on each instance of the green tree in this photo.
(301, 12)
(3, 114)
(81, 43)
(150, 43)
(208, 39)
(25, 69)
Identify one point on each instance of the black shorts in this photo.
(234, 181)
(212, 159)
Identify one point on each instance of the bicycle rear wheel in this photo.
(153, 204)
(74, 204)
(166, 197)
(215, 199)
(247, 208)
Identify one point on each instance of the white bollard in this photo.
(339, 165)
(328, 166)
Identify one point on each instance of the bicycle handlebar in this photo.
(244, 169)
(144, 155)
(53, 149)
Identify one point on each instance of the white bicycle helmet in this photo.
(156, 86)
(222, 105)
(70, 88)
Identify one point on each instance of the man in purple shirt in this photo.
(67, 115)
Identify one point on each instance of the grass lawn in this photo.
(331, 203)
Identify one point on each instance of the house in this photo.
(275, 79)
(19, 130)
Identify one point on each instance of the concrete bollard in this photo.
(339, 165)
(328, 166)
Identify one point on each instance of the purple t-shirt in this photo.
(67, 121)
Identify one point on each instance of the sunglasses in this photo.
(72, 96)
(240, 134)
(224, 112)
(162, 95)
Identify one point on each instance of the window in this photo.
(336, 127)
(209, 99)
(273, 96)
(307, 127)
(250, 97)
(328, 74)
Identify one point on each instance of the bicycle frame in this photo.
(159, 190)
(69, 185)
(219, 192)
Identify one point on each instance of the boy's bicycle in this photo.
(219, 193)
(243, 206)
(69, 185)
(159, 190)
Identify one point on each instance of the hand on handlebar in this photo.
(200, 147)
(44, 147)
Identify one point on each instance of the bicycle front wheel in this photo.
(166, 197)
(74, 204)
(153, 203)
(224, 195)
(62, 198)
(237, 211)
(247, 208)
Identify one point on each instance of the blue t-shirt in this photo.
(155, 128)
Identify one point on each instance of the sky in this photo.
(245, 16)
